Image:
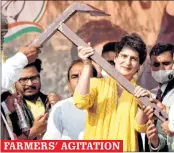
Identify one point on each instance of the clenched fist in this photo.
(53, 98)
(31, 52)
(84, 53)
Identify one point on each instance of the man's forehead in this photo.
(163, 56)
(29, 71)
(28, 75)
(75, 71)
(76, 68)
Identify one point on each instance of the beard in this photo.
(31, 97)
(34, 96)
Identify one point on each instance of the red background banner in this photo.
(62, 146)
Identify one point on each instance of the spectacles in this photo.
(157, 64)
(33, 79)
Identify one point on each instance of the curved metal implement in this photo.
(59, 25)
(71, 10)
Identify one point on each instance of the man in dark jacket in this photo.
(162, 66)
(35, 103)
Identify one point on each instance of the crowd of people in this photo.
(99, 107)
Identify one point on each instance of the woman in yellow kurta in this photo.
(112, 112)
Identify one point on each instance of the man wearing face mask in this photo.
(109, 52)
(162, 67)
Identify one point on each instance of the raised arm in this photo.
(85, 91)
(84, 82)
(142, 115)
(13, 67)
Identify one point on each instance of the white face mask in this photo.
(163, 76)
(104, 73)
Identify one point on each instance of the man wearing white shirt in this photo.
(65, 121)
(13, 66)
(11, 70)
(162, 66)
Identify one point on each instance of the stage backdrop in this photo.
(153, 21)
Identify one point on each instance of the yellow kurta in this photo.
(108, 119)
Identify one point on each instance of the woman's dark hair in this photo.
(136, 43)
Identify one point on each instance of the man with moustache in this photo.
(11, 69)
(65, 120)
(35, 102)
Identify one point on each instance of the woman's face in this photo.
(127, 62)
